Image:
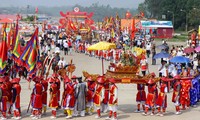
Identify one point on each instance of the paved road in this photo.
(127, 92)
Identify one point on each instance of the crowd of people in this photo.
(81, 97)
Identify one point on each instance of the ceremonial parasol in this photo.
(197, 49)
(161, 55)
(180, 59)
(102, 46)
(188, 50)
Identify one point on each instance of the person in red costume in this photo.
(161, 101)
(15, 100)
(176, 94)
(140, 97)
(113, 99)
(3, 100)
(53, 91)
(99, 95)
(185, 89)
(151, 96)
(37, 98)
(44, 94)
(106, 95)
(90, 92)
(8, 86)
(185, 97)
(74, 85)
(68, 97)
(57, 81)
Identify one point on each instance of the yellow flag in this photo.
(199, 29)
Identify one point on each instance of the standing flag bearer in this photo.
(113, 99)
(16, 90)
(53, 103)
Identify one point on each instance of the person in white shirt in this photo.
(65, 45)
(162, 68)
(148, 49)
(195, 63)
(174, 71)
(170, 69)
(179, 53)
(62, 62)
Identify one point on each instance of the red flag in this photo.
(133, 29)
(36, 10)
(4, 51)
(16, 46)
(142, 14)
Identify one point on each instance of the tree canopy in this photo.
(182, 10)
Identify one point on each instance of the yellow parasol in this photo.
(102, 46)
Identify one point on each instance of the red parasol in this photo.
(188, 50)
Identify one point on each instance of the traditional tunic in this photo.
(81, 96)
(106, 94)
(44, 92)
(113, 95)
(162, 97)
(141, 95)
(69, 96)
(113, 101)
(90, 91)
(184, 96)
(4, 99)
(37, 96)
(176, 93)
(150, 101)
(99, 95)
(58, 86)
(53, 103)
(16, 90)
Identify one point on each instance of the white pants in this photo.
(113, 108)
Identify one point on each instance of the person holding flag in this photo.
(53, 103)
(16, 90)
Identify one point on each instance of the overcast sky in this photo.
(112, 3)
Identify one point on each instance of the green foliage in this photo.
(157, 8)
(29, 18)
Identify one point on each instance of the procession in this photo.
(76, 67)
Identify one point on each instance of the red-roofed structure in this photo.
(6, 20)
(3, 16)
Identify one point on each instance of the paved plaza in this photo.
(127, 94)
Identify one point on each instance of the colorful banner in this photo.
(16, 45)
(30, 56)
(4, 51)
(156, 24)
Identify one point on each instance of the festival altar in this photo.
(126, 70)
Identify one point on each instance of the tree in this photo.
(157, 8)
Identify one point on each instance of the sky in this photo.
(112, 3)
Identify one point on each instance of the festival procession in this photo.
(128, 66)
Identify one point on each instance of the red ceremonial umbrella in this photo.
(188, 50)
(197, 49)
